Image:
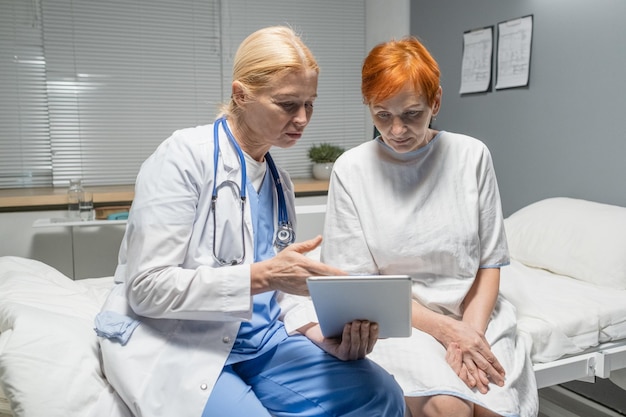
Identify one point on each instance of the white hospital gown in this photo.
(434, 214)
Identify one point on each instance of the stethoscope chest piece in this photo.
(285, 235)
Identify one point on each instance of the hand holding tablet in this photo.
(382, 299)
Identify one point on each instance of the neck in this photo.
(254, 147)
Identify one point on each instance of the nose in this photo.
(301, 117)
(397, 125)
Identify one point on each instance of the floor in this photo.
(560, 401)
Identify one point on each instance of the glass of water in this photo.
(85, 205)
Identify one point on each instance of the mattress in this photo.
(562, 315)
(47, 338)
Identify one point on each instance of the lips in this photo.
(401, 141)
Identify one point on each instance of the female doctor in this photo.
(201, 322)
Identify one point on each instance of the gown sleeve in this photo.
(344, 243)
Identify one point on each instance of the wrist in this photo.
(259, 278)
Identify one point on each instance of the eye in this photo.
(383, 115)
(288, 105)
(308, 105)
(413, 114)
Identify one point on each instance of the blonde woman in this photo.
(199, 323)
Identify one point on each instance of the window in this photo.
(25, 154)
(88, 89)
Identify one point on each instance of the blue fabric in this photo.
(115, 326)
(297, 378)
(261, 333)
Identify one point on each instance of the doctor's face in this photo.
(403, 120)
(278, 114)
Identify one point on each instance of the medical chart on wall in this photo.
(513, 60)
(477, 60)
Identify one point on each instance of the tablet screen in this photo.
(384, 299)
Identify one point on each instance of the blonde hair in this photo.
(266, 55)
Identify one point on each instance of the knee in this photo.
(440, 406)
(382, 392)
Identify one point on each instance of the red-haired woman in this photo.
(425, 202)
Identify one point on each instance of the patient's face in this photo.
(403, 119)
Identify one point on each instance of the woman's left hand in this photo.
(470, 355)
(356, 342)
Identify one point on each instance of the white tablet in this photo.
(384, 299)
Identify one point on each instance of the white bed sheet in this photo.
(562, 315)
(49, 352)
(50, 364)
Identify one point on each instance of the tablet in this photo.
(384, 299)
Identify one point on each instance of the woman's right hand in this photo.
(356, 341)
(289, 269)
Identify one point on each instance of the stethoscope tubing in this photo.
(285, 234)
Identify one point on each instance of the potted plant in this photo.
(323, 156)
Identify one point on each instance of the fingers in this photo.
(358, 339)
(373, 337)
(480, 373)
(491, 368)
(454, 357)
(306, 246)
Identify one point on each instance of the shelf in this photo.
(65, 222)
(48, 198)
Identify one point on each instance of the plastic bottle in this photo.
(73, 197)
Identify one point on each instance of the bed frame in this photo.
(596, 362)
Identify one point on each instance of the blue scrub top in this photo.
(264, 330)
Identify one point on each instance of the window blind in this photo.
(91, 88)
(25, 155)
(335, 33)
(122, 75)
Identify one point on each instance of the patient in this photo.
(425, 202)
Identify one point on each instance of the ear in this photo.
(437, 101)
(238, 93)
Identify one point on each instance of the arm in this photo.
(477, 308)
(467, 334)
(481, 299)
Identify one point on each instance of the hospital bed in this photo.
(567, 280)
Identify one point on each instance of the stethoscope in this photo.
(285, 234)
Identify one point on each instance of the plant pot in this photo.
(322, 170)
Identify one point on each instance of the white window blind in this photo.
(335, 33)
(122, 76)
(109, 80)
(25, 157)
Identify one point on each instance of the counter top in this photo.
(48, 197)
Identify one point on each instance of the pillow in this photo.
(49, 352)
(581, 239)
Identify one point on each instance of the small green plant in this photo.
(325, 153)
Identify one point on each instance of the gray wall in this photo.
(564, 134)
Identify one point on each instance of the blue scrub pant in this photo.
(297, 378)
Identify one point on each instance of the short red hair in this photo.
(390, 65)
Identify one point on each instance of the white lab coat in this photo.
(190, 308)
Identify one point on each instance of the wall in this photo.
(384, 20)
(563, 135)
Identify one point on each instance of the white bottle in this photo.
(74, 194)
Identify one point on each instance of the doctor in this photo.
(201, 321)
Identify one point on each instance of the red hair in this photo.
(391, 65)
